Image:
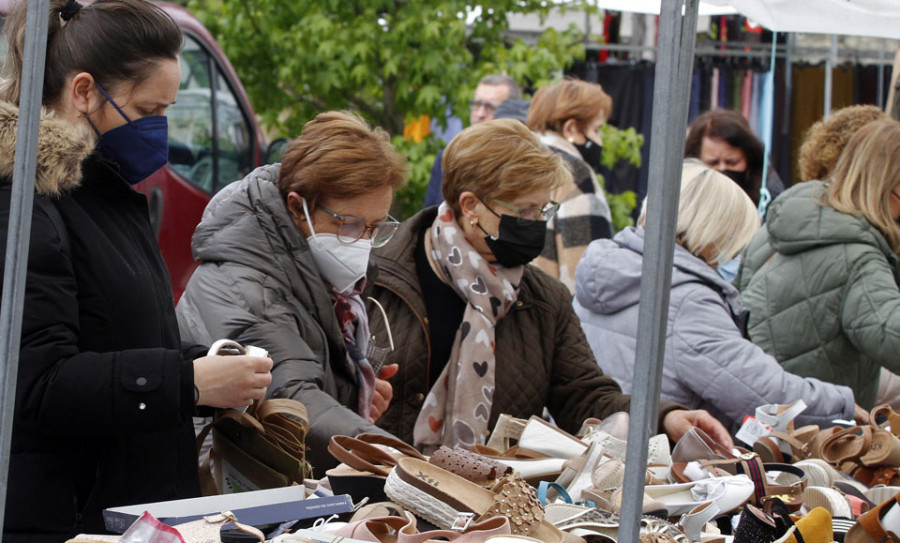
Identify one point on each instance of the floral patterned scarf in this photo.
(350, 311)
(458, 407)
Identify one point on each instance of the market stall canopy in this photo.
(652, 6)
(876, 18)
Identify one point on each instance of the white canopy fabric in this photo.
(876, 18)
(652, 7)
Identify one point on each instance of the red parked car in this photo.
(214, 139)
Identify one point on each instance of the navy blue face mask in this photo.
(139, 147)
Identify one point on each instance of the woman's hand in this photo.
(231, 381)
(860, 415)
(384, 392)
(677, 423)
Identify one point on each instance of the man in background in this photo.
(491, 91)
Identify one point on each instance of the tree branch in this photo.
(318, 104)
(365, 107)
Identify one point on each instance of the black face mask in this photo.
(739, 177)
(591, 153)
(516, 243)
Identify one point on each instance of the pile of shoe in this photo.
(533, 481)
(852, 473)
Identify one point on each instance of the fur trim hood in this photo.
(62, 147)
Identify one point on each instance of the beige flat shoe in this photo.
(443, 498)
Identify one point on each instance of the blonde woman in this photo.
(821, 280)
(567, 116)
(477, 331)
(709, 363)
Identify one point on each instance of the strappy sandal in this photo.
(788, 485)
(443, 498)
(712, 459)
(363, 469)
(780, 417)
(884, 450)
(847, 445)
(800, 441)
(364, 463)
(869, 454)
(891, 418)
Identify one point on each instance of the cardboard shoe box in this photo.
(257, 508)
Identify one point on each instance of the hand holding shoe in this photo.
(677, 423)
(231, 381)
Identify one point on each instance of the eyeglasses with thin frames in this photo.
(353, 228)
(526, 215)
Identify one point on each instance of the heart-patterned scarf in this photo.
(457, 409)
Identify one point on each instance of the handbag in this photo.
(258, 448)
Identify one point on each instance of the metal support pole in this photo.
(788, 84)
(830, 63)
(19, 234)
(675, 54)
(879, 97)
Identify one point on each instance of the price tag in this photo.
(751, 430)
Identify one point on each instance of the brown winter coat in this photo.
(542, 356)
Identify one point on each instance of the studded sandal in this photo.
(444, 499)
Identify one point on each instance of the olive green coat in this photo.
(821, 287)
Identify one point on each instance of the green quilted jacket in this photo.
(821, 287)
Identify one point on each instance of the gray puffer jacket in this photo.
(258, 284)
(822, 289)
(708, 364)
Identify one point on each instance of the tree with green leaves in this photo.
(389, 60)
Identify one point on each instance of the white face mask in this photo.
(729, 270)
(341, 265)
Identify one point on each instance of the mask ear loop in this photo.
(308, 219)
(387, 323)
(113, 102)
(377, 357)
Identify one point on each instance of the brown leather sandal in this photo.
(363, 469)
(800, 440)
(847, 445)
(892, 418)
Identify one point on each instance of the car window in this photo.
(191, 119)
(209, 148)
(233, 135)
